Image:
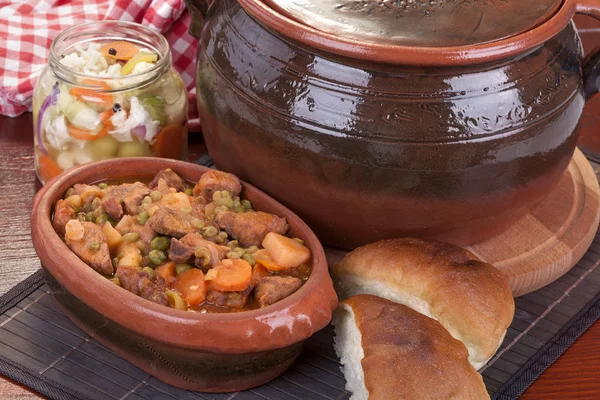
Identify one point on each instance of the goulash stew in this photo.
(200, 248)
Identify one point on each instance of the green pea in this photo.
(221, 237)
(182, 267)
(90, 217)
(93, 246)
(203, 254)
(131, 237)
(186, 209)
(142, 217)
(103, 185)
(251, 250)
(232, 255)
(147, 200)
(157, 257)
(101, 220)
(210, 231)
(239, 210)
(246, 203)
(69, 192)
(233, 244)
(142, 246)
(149, 271)
(249, 258)
(239, 250)
(155, 195)
(160, 243)
(197, 223)
(188, 191)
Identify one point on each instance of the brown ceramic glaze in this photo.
(364, 151)
(205, 352)
(422, 23)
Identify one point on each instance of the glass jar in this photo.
(85, 109)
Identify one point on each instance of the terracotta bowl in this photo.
(204, 352)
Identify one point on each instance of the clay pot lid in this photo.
(419, 23)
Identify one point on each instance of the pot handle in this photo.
(591, 66)
(198, 9)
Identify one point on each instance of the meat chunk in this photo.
(145, 231)
(92, 248)
(213, 180)
(181, 251)
(272, 289)
(162, 187)
(63, 213)
(171, 179)
(126, 197)
(140, 284)
(228, 299)
(168, 221)
(250, 228)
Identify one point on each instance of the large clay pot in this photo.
(368, 141)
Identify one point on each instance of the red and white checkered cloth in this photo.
(27, 28)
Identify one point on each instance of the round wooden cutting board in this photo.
(550, 240)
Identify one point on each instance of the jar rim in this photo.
(110, 30)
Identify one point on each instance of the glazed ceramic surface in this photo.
(432, 23)
(205, 352)
(365, 150)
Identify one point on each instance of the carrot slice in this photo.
(48, 168)
(83, 134)
(263, 257)
(167, 271)
(191, 285)
(93, 95)
(170, 141)
(123, 50)
(232, 276)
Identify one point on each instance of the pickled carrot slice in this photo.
(48, 168)
(124, 50)
(96, 95)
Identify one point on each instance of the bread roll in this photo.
(470, 298)
(389, 351)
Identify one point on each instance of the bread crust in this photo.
(470, 298)
(410, 356)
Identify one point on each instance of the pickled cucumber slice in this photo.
(141, 56)
(154, 106)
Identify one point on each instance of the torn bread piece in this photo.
(389, 351)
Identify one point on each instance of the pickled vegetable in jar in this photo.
(109, 90)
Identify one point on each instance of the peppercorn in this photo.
(116, 107)
(112, 52)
